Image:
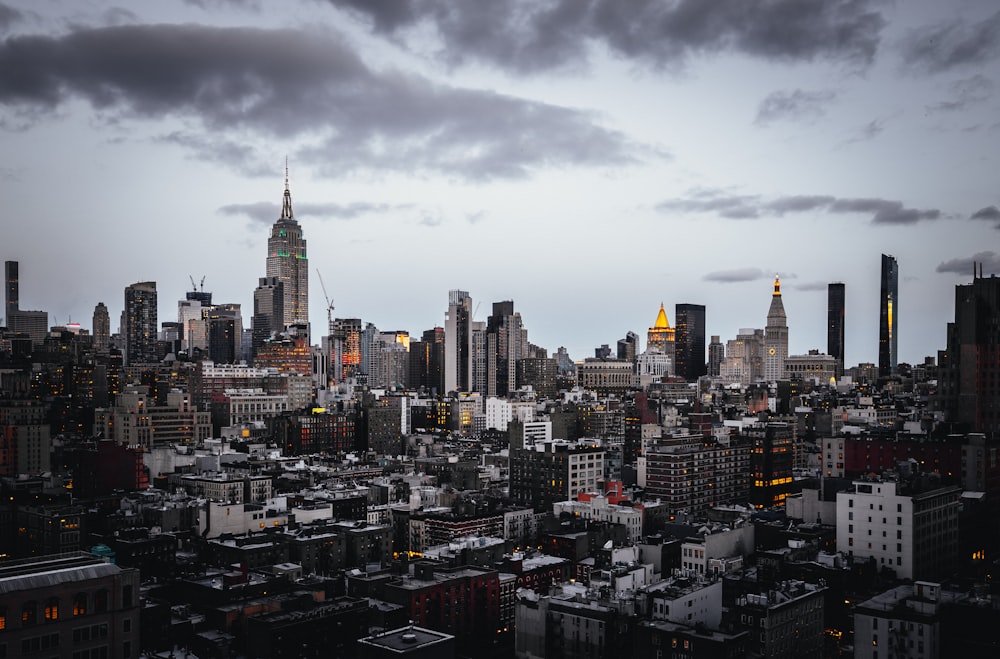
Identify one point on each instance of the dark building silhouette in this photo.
(458, 342)
(268, 310)
(888, 317)
(33, 323)
(506, 342)
(689, 344)
(771, 462)
(835, 303)
(101, 328)
(716, 355)
(970, 384)
(427, 361)
(628, 347)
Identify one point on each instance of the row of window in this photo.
(51, 611)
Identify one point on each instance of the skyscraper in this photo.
(506, 342)
(10, 269)
(716, 355)
(33, 323)
(775, 337)
(835, 301)
(287, 260)
(888, 317)
(140, 323)
(970, 384)
(268, 310)
(458, 342)
(689, 361)
(102, 328)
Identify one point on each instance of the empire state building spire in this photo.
(286, 206)
(287, 259)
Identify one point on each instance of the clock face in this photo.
(771, 352)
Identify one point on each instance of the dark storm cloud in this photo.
(990, 214)
(8, 16)
(533, 35)
(231, 84)
(963, 266)
(797, 105)
(965, 93)
(882, 211)
(937, 48)
(266, 212)
(734, 276)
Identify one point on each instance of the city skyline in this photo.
(586, 166)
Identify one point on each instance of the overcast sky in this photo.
(588, 159)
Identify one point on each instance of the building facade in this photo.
(140, 323)
(689, 357)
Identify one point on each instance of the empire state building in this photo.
(287, 260)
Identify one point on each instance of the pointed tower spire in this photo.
(286, 206)
(777, 286)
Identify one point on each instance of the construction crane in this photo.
(329, 303)
(196, 287)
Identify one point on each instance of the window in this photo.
(28, 614)
(3, 618)
(52, 609)
(80, 604)
(127, 625)
(101, 601)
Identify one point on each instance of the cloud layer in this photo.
(267, 213)
(881, 211)
(231, 84)
(963, 266)
(798, 105)
(952, 45)
(537, 35)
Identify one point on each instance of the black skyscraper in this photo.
(969, 383)
(11, 285)
(690, 342)
(888, 317)
(835, 301)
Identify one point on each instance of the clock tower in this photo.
(775, 337)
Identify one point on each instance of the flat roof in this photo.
(407, 639)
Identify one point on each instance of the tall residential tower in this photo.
(140, 323)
